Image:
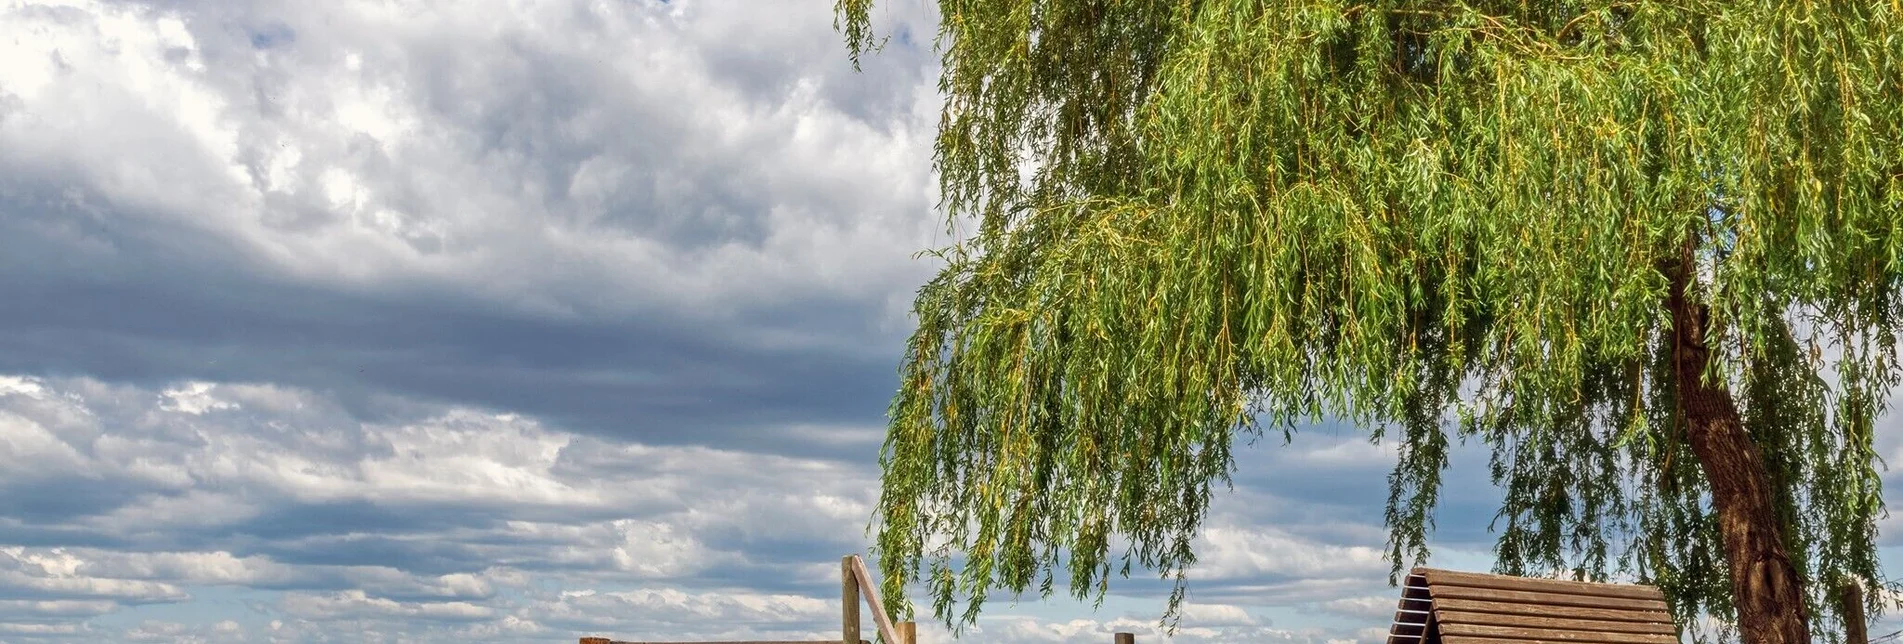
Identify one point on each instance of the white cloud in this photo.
(159, 631)
(1208, 615)
(1095, 631)
(669, 606)
(241, 459)
(1370, 607)
(58, 608)
(566, 157)
(355, 603)
(32, 629)
(57, 574)
(1232, 551)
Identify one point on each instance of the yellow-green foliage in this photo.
(1200, 219)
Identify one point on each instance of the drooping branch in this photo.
(1202, 219)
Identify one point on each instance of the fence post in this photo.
(848, 602)
(1126, 638)
(908, 632)
(1850, 598)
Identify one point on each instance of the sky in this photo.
(510, 320)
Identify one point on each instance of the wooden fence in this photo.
(855, 585)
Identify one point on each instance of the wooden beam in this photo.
(848, 602)
(1553, 623)
(1126, 638)
(1449, 631)
(1441, 578)
(597, 640)
(1658, 616)
(1850, 605)
(871, 592)
(1545, 599)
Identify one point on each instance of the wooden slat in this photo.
(1551, 635)
(1659, 616)
(1439, 578)
(588, 640)
(1545, 599)
(1470, 639)
(1558, 623)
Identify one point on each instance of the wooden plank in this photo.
(1124, 638)
(597, 639)
(1547, 635)
(1659, 616)
(1544, 599)
(1470, 639)
(1557, 623)
(1438, 578)
(1850, 610)
(908, 632)
(848, 602)
(887, 632)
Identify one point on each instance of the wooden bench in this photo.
(1449, 607)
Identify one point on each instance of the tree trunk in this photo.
(1766, 590)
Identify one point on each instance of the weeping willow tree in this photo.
(1648, 252)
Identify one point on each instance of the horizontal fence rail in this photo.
(855, 585)
(604, 640)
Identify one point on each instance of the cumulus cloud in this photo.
(624, 215)
(431, 519)
(1094, 631)
(361, 143)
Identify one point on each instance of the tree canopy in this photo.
(1193, 221)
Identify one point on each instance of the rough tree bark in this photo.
(1767, 592)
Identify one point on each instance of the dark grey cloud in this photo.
(654, 381)
(626, 218)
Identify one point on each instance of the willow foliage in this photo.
(1200, 220)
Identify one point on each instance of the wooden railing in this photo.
(855, 585)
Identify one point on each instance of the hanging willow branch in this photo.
(1198, 219)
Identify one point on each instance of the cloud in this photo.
(1206, 615)
(1368, 607)
(355, 603)
(668, 609)
(448, 516)
(1234, 551)
(55, 575)
(607, 214)
(158, 631)
(1094, 631)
